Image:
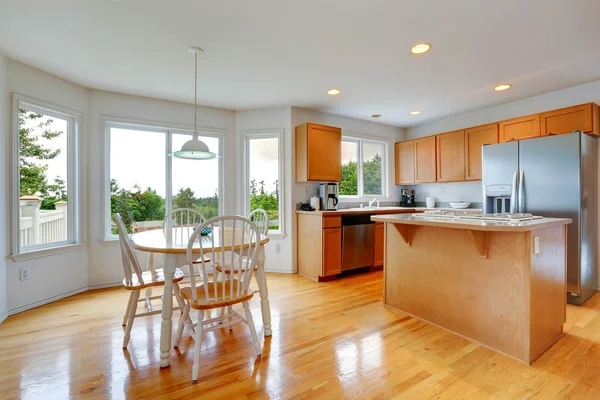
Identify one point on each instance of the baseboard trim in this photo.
(3, 317)
(104, 285)
(46, 301)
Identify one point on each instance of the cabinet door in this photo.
(324, 145)
(567, 120)
(520, 128)
(450, 153)
(425, 160)
(405, 162)
(332, 251)
(475, 138)
(378, 257)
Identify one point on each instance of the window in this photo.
(45, 206)
(263, 176)
(364, 168)
(144, 183)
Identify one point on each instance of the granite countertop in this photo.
(383, 210)
(471, 224)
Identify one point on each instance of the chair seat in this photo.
(151, 280)
(203, 303)
(227, 270)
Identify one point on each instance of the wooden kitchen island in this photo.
(498, 284)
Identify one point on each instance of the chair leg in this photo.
(197, 346)
(177, 295)
(182, 320)
(230, 310)
(250, 323)
(132, 310)
(126, 316)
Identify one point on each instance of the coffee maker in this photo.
(329, 196)
(407, 198)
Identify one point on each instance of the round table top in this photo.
(175, 241)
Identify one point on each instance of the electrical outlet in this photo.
(278, 248)
(442, 189)
(536, 245)
(306, 192)
(24, 274)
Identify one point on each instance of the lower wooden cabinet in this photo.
(332, 251)
(379, 238)
(584, 117)
(520, 128)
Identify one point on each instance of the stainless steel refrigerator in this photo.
(551, 176)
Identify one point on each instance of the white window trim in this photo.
(248, 135)
(120, 123)
(385, 182)
(74, 121)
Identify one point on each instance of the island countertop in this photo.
(472, 224)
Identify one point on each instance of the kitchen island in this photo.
(499, 284)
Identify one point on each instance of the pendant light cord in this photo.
(195, 134)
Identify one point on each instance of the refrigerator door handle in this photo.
(521, 194)
(513, 194)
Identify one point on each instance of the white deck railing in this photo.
(41, 226)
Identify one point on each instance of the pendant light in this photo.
(194, 149)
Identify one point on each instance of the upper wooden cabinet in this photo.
(405, 163)
(584, 117)
(450, 156)
(318, 153)
(425, 170)
(475, 139)
(520, 128)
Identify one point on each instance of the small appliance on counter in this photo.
(329, 196)
(407, 198)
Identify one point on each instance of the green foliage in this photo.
(349, 184)
(267, 201)
(371, 177)
(33, 178)
(135, 206)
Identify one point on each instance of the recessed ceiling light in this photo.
(375, 115)
(504, 86)
(420, 48)
(333, 92)
(416, 112)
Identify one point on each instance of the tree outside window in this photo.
(363, 168)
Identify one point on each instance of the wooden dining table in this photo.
(173, 243)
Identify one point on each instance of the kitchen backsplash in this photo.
(448, 192)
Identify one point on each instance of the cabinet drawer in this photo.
(334, 221)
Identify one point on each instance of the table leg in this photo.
(167, 311)
(148, 290)
(264, 293)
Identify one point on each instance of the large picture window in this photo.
(364, 168)
(144, 184)
(263, 176)
(46, 196)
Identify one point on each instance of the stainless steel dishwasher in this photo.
(358, 241)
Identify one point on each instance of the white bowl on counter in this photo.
(460, 205)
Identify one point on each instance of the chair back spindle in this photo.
(179, 224)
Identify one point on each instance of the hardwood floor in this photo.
(330, 340)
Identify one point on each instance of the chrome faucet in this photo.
(373, 201)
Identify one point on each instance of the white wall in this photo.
(60, 274)
(471, 191)
(4, 129)
(266, 120)
(105, 266)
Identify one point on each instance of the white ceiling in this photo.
(262, 53)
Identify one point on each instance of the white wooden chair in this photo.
(187, 219)
(231, 235)
(261, 220)
(137, 280)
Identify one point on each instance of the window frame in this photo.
(74, 121)
(247, 136)
(385, 189)
(110, 123)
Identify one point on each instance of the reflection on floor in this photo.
(330, 340)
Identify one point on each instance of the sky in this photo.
(350, 151)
